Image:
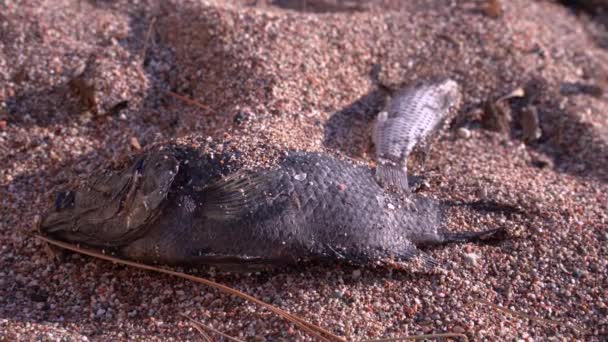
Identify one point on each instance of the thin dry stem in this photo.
(147, 40)
(201, 327)
(202, 332)
(520, 314)
(190, 101)
(420, 337)
(310, 328)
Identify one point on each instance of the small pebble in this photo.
(135, 144)
(471, 258)
(464, 133)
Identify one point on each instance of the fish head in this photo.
(114, 207)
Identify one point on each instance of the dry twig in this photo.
(420, 337)
(520, 314)
(310, 328)
(189, 101)
(147, 40)
(202, 327)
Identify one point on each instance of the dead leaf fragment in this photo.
(85, 92)
(496, 117)
(530, 124)
(135, 143)
(492, 9)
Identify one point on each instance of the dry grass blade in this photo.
(147, 40)
(201, 328)
(520, 314)
(202, 332)
(189, 101)
(310, 328)
(420, 337)
(517, 92)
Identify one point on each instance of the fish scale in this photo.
(413, 114)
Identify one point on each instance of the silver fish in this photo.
(411, 116)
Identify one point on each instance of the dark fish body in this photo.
(175, 206)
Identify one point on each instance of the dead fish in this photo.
(181, 206)
(412, 115)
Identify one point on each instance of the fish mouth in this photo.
(113, 208)
(56, 224)
(60, 222)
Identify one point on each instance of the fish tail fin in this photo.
(392, 175)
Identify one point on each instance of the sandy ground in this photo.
(86, 83)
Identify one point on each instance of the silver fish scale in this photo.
(412, 114)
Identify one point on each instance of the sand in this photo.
(84, 84)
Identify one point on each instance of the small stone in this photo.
(471, 258)
(356, 274)
(135, 144)
(464, 133)
(337, 294)
(458, 329)
(100, 312)
(300, 177)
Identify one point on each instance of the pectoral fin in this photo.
(236, 195)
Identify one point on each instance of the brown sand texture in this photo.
(84, 84)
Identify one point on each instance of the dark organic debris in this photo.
(242, 116)
(592, 6)
(576, 88)
(117, 108)
(21, 74)
(320, 6)
(492, 9)
(496, 117)
(530, 124)
(83, 87)
(541, 161)
(94, 93)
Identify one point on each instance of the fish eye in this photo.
(64, 200)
